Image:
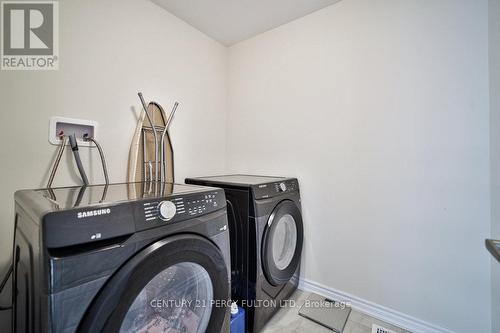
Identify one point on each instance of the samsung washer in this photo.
(121, 258)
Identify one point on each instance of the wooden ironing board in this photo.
(142, 159)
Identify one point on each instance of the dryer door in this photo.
(282, 243)
(179, 284)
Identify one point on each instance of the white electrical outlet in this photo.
(68, 126)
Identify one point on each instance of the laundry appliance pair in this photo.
(266, 237)
(152, 256)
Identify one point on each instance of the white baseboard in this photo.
(380, 312)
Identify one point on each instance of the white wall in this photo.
(110, 50)
(494, 56)
(380, 108)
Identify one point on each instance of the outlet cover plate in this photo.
(70, 126)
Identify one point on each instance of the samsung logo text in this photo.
(96, 212)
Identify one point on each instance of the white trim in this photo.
(380, 312)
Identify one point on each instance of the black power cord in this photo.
(76, 154)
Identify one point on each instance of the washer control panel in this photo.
(85, 224)
(202, 204)
(270, 190)
(166, 210)
(182, 207)
(287, 186)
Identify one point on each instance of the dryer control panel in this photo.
(269, 190)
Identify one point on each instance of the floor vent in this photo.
(380, 329)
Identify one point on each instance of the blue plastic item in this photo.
(238, 321)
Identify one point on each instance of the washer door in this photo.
(282, 243)
(175, 285)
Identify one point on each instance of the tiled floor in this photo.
(288, 320)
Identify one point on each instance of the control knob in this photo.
(167, 210)
(282, 187)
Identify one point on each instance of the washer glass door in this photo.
(178, 299)
(177, 284)
(282, 243)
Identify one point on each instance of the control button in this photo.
(282, 187)
(167, 210)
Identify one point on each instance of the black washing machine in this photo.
(266, 229)
(137, 257)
